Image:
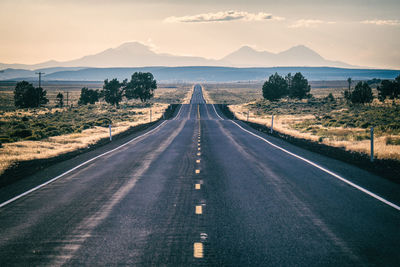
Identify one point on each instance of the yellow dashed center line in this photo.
(197, 171)
(197, 161)
(199, 209)
(199, 149)
(198, 154)
(197, 186)
(198, 250)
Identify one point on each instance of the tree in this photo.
(141, 85)
(299, 87)
(397, 79)
(60, 100)
(362, 93)
(347, 93)
(275, 88)
(88, 96)
(112, 91)
(27, 96)
(349, 82)
(387, 89)
(289, 80)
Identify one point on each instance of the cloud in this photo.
(382, 22)
(224, 16)
(309, 23)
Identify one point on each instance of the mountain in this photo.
(295, 56)
(135, 54)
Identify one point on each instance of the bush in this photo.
(22, 133)
(102, 122)
(5, 140)
(390, 140)
(330, 98)
(20, 126)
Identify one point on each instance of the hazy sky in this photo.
(360, 32)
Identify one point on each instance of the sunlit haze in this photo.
(359, 32)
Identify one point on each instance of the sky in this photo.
(358, 32)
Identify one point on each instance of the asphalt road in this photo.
(201, 190)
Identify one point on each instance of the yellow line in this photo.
(198, 154)
(197, 186)
(198, 250)
(198, 149)
(197, 171)
(199, 209)
(197, 161)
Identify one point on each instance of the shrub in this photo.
(330, 98)
(22, 133)
(53, 133)
(390, 140)
(4, 139)
(20, 126)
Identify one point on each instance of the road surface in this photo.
(200, 189)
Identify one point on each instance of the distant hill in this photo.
(295, 56)
(216, 74)
(135, 54)
(10, 73)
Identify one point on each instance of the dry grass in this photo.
(172, 94)
(334, 136)
(206, 96)
(188, 96)
(236, 93)
(57, 145)
(282, 123)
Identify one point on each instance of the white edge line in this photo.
(76, 167)
(179, 112)
(217, 112)
(324, 170)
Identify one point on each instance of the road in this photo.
(200, 189)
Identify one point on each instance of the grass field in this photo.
(334, 123)
(27, 134)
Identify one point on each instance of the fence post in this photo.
(372, 144)
(272, 124)
(109, 126)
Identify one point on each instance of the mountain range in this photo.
(196, 74)
(134, 54)
(244, 64)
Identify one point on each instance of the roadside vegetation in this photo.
(56, 127)
(328, 116)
